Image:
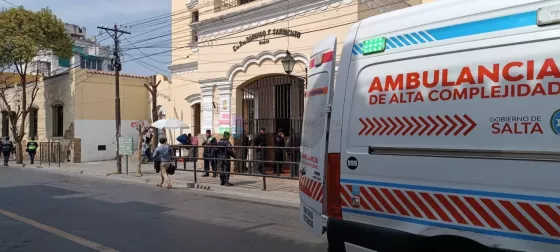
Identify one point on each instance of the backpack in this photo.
(171, 169)
(6, 145)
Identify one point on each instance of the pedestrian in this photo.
(164, 153)
(7, 148)
(157, 160)
(279, 151)
(244, 151)
(32, 148)
(195, 148)
(259, 142)
(209, 154)
(224, 153)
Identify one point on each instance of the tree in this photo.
(142, 130)
(152, 88)
(24, 35)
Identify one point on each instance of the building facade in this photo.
(76, 108)
(227, 72)
(88, 54)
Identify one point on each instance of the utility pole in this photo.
(116, 62)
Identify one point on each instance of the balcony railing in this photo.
(220, 5)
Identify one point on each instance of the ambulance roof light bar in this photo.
(374, 45)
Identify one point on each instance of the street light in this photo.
(288, 63)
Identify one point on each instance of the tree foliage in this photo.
(25, 34)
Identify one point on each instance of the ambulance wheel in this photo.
(459, 244)
(335, 245)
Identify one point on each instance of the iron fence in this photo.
(50, 152)
(284, 164)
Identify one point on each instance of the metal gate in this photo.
(50, 152)
(274, 103)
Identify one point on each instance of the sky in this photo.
(108, 12)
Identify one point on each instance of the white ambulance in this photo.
(441, 131)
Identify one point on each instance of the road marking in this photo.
(79, 195)
(71, 237)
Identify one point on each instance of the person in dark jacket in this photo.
(209, 152)
(244, 152)
(7, 149)
(260, 141)
(224, 153)
(279, 152)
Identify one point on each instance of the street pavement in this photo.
(280, 191)
(45, 211)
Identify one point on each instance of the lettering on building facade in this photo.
(263, 34)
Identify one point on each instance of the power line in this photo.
(229, 36)
(6, 1)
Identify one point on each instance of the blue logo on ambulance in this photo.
(555, 122)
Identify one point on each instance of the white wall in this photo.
(102, 132)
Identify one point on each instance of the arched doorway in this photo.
(273, 102)
(195, 119)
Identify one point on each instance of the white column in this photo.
(206, 108)
(224, 91)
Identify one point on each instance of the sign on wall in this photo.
(263, 34)
(126, 146)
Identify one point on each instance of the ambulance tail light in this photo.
(332, 205)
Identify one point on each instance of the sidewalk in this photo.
(278, 191)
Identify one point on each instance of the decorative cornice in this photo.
(184, 73)
(259, 58)
(215, 80)
(191, 4)
(185, 67)
(268, 13)
(209, 84)
(244, 20)
(194, 98)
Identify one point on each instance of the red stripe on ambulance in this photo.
(465, 210)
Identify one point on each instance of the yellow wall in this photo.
(95, 97)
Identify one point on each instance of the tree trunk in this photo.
(19, 152)
(154, 118)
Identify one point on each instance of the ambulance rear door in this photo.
(316, 119)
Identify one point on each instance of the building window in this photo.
(44, 67)
(5, 124)
(33, 122)
(100, 65)
(194, 37)
(194, 15)
(93, 64)
(89, 65)
(220, 5)
(58, 120)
